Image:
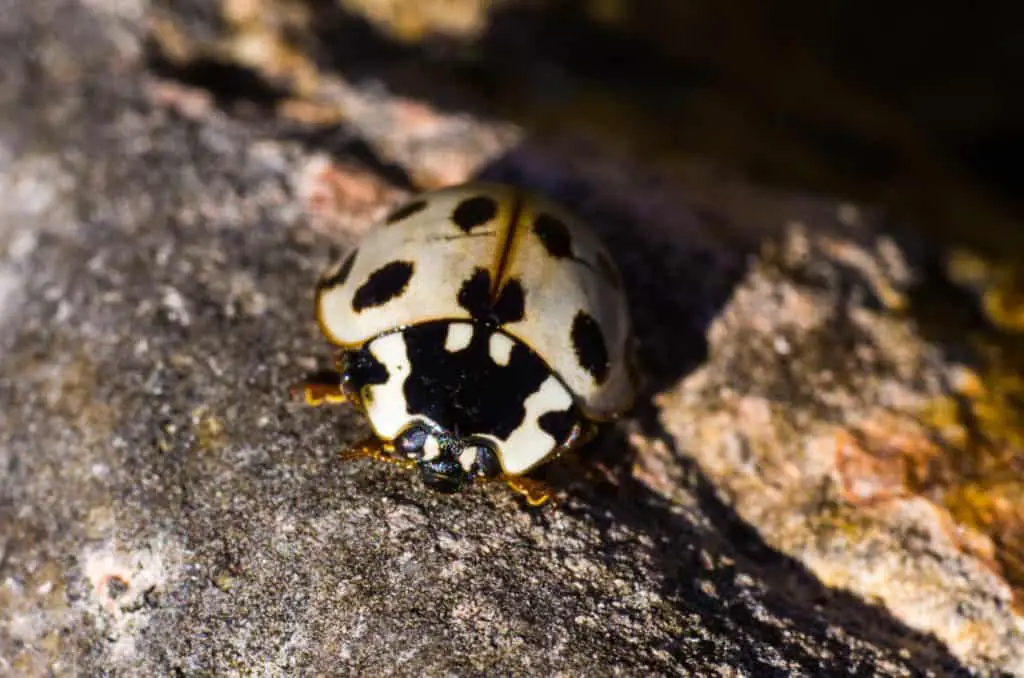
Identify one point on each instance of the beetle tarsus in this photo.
(372, 448)
(535, 492)
(315, 393)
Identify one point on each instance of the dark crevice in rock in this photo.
(231, 84)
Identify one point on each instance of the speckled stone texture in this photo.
(166, 509)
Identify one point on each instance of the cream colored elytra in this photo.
(568, 273)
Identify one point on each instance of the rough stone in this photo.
(165, 508)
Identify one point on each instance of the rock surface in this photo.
(166, 509)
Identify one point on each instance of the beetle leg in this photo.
(536, 492)
(316, 394)
(373, 448)
(322, 388)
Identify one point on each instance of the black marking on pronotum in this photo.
(473, 212)
(341, 275)
(475, 297)
(363, 369)
(467, 392)
(558, 425)
(406, 211)
(554, 235)
(591, 351)
(383, 285)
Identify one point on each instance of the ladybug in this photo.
(483, 331)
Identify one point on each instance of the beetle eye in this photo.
(410, 443)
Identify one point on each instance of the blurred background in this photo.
(914, 109)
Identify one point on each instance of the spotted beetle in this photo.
(483, 331)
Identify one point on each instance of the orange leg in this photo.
(536, 492)
(373, 448)
(317, 393)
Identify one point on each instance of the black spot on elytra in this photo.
(406, 211)
(383, 285)
(475, 294)
(475, 297)
(341, 275)
(468, 393)
(588, 342)
(473, 212)
(554, 235)
(608, 271)
(510, 306)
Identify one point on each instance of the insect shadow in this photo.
(676, 287)
(785, 588)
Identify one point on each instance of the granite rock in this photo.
(166, 508)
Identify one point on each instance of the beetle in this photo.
(482, 330)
